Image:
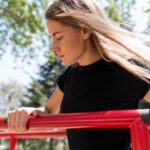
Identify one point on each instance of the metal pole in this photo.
(140, 136)
(13, 143)
(136, 120)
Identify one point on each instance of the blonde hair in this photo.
(129, 50)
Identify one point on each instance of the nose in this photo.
(55, 48)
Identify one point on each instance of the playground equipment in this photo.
(44, 126)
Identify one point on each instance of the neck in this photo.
(90, 56)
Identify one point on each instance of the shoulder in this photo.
(137, 79)
(136, 86)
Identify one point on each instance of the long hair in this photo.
(129, 50)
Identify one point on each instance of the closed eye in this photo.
(59, 38)
(56, 36)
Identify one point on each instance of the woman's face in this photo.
(69, 43)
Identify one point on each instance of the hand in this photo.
(17, 119)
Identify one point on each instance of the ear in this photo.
(86, 34)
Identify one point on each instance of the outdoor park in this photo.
(29, 70)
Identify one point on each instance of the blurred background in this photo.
(28, 69)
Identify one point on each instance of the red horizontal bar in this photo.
(132, 119)
(33, 134)
(102, 119)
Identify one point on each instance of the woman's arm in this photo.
(53, 104)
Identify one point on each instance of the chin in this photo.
(66, 63)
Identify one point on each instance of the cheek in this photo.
(72, 48)
(74, 44)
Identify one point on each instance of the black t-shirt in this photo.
(97, 87)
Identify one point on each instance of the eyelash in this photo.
(59, 38)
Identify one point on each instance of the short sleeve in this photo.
(139, 86)
(61, 80)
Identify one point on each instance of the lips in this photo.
(61, 56)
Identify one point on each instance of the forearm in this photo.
(47, 110)
(53, 104)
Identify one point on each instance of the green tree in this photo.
(148, 12)
(120, 10)
(113, 11)
(10, 96)
(148, 8)
(43, 86)
(21, 26)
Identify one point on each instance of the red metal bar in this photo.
(140, 136)
(104, 119)
(3, 125)
(13, 143)
(34, 134)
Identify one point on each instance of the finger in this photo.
(35, 113)
(23, 121)
(9, 121)
(17, 120)
(12, 121)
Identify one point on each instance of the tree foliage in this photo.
(148, 12)
(120, 11)
(43, 87)
(10, 96)
(21, 26)
(148, 8)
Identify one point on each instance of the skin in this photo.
(71, 45)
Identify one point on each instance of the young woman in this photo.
(108, 69)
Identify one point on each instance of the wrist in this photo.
(46, 110)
